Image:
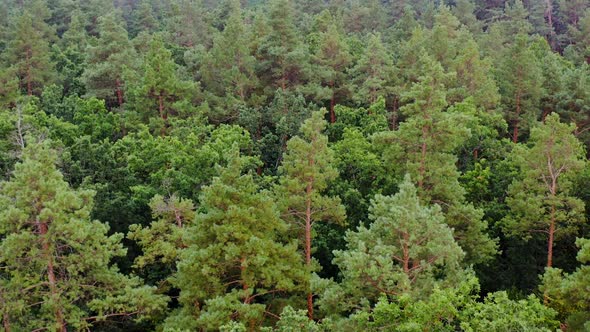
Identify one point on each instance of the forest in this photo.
(294, 165)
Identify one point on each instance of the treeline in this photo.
(294, 165)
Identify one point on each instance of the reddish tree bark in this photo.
(43, 229)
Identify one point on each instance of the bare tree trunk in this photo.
(549, 17)
(551, 236)
(308, 192)
(516, 121)
(119, 91)
(332, 105)
(43, 228)
(422, 169)
(29, 83)
(6, 322)
(406, 253)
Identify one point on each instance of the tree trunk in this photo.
(551, 237)
(43, 228)
(394, 110)
(29, 84)
(6, 322)
(332, 104)
(549, 17)
(516, 121)
(422, 169)
(119, 91)
(308, 192)
(406, 253)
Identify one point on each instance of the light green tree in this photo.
(55, 262)
(235, 262)
(307, 169)
(407, 249)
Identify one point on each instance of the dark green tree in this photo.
(540, 200)
(108, 60)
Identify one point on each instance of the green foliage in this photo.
(107, 60)
(232, 259)
(406, 251)
(56, 261)
(568, 292)
(499, 313)
(28, 54)
(540, 199)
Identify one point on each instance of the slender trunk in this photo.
(29, 84)
(244, 284)
(178, 219)
(332, 105)
(394, 109)
(308, 192)
(549, 16)
(43, 228)
(475, 153)
(119, 91)
(406, 253)
(422, 169)
(516, 121)
(6, 322)
(163, 114)
(551, 236)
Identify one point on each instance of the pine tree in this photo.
(228, 69)
(108, 60)
(306, 172)
(520, 81)
(332, 61)
(235, 262)
(281, 54)
(143, 19)
(541, 200)
(57, 261)
(423, 146)
(188, 24)
(159, 88)
(29, 55)
(165, 237)
(570, 292)
(373, 72)
(407, 249)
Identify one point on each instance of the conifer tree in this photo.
(165, 237)
(159, 88)
(541, 201)
(143, 19)
(55, 261)
(520, 81)
(407, 249)
(373, 72)
(228, 69)
(570, 292)
(281, 53)
(29, 54)
(188, 24)
(307, 169)
(423, 147)
(108, 60)
(332, 61)
(235, 262)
